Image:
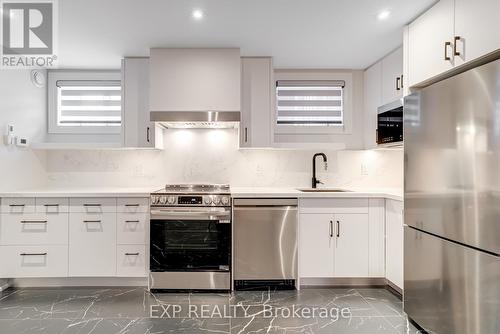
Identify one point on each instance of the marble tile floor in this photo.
(137, 311)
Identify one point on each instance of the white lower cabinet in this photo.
(92, 244)
(394, 242)
(316, 245)
(131, 260)
(34, 229)
(34, 261)
(131, 228)
(351, 245)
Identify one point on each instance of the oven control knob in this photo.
(225, 200)
(216, 200)
(171, 200)
(163, 199)
(154, 199)
(208, 200)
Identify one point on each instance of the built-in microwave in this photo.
(390, 124)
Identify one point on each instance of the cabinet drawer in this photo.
(92, 244)
(34, 229)
(133, 205)
(334, 205)
(131, 228)
(92, 205)
(18, 205)
(34, 261)
(52, 205)
(131, 261)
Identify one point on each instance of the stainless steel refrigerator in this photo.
(452, 203)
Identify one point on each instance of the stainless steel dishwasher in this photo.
(265, 242)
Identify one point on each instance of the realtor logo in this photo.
(28, 30)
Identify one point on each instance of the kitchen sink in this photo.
(322, 190)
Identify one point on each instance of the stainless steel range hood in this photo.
(195, 88)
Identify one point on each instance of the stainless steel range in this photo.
(190, 238)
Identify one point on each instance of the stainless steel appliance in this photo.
(390, 124)
(265, 242)
(190, 238)
(452, 203)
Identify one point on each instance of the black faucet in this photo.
(314, 180)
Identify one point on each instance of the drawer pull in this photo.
(132, 205)
(33, 254)
(92, 205)
(51, 205)
(17, 205)
(92, 221)
(132, 221)
(33, 222)
(132, 254)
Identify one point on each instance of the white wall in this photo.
(22, 105)
(212, 156)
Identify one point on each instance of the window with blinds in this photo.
(310, 102)
(86, 103)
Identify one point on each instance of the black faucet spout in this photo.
(315, 181)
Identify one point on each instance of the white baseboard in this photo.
(342, 282)
(79, 282)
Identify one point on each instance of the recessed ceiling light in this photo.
(197, 14)
(383, 15)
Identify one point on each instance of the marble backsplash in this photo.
(192, 156)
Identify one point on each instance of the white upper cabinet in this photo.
(429, 55)
(257, 101)
(184, 80)
(392, 76)
(450, 34)
(137, 129)
(477, 28)
(373, 100)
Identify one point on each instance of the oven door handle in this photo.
(222, 216)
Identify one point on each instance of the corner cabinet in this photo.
(137, 130)
(394, 242)
(450, 34)
(336, 239)
(257, 102)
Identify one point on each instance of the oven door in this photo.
(190, 239)
(390, 124)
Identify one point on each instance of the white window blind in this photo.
(310, 102)
(88, 102)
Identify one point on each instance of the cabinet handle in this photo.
(246, 135)
(147, 134)
(132, 221)
(455, 40)
(51, 205)
(91, 221)
(131, 254)
(397, 83)
(338, 229)
(446, 45)
(17, 205)
(331, 228)
(33, 254)
(401, 81)
(33, 222)
(132, 205)
(92, 205)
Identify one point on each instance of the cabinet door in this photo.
(392, 70)
(394, 242)
(427, 37)
(138, 131)
(256, 101)
(373, 100)
(92, 244)
(478, 26)
(351, 245)
(316, 245)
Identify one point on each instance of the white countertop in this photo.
(236, 192)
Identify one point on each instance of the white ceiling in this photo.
(297, 33)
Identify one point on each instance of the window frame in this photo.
(322, 75)
(54, 76)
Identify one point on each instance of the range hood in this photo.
(195, 88)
